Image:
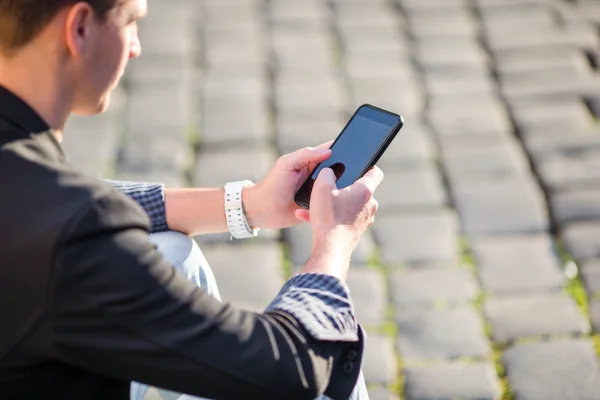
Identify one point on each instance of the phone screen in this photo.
(356, 148)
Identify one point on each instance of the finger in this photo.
(371, 220)
(325, 145)
(326, 178)
(303, 215)
(304, 157)
(372, 179)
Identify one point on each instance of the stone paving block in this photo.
(217, 167)
(250, 125)
(222, 89)
(289, 11)
(544, 144)
(300, 240)
(458, 83)
(379, 361)
(92, 142)
(412, 146)
(590, 274)
(145, 153)
(521, 316)
(523, 263)
(514, 205)
(151, 108)
(420, 6)
(404, 98)
(450, 54)
(310, 95)
(166, 38)
(425, 286)
(582, 239)
(418, 187)
(531, 35)
(549, 83)
(558, 370)
(432, 25)
(450, 116)
(369, 295)
(379, 393)
(566, 113)
(240, 53)
(566, 170)
(476, 381)
(542, 58)
(252, 274)
(399, 71)
(293, 134)
(418, 237)
(445, 334)
(575, 205)
(366, 14)
(472, 160)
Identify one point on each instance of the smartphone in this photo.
(357, 148)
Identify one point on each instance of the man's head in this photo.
(88, 43)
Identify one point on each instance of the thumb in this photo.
(302, 158)
(326, 177)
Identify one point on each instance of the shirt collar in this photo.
(19, 113)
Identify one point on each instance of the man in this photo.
(90, 305)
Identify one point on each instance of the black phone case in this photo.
(305, 203)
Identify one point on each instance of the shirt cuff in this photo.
(321, 304)
(150, 196)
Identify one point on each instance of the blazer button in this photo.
(352, 355)
(348, 367)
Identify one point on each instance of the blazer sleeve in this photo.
(119, 309)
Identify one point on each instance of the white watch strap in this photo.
(234, 211)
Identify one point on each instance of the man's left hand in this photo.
(270, 203)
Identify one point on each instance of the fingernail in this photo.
(322, 151)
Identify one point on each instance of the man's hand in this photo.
(270, 203)
(338, 219)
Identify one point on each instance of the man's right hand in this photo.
(338, 219)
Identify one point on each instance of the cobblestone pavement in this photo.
(481, 275)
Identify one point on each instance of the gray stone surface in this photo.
(479, 83)
(248, 276)
(514, 205)
(550, 114)
(453, 117)
(533, 315)
(425, 286)
(379, 361)
(590, 273)
(475, 381)
(441, 334)
(412, 146)
(566, 170)
(517, 264)
(418, 237)
(217, 167)
(557, 370)
(582, 239)
(369, 295)
(470, 160)
(575, 205)
(550, 142)
(420, 187)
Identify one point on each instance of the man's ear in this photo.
(78, 28)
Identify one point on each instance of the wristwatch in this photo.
(234, 211)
